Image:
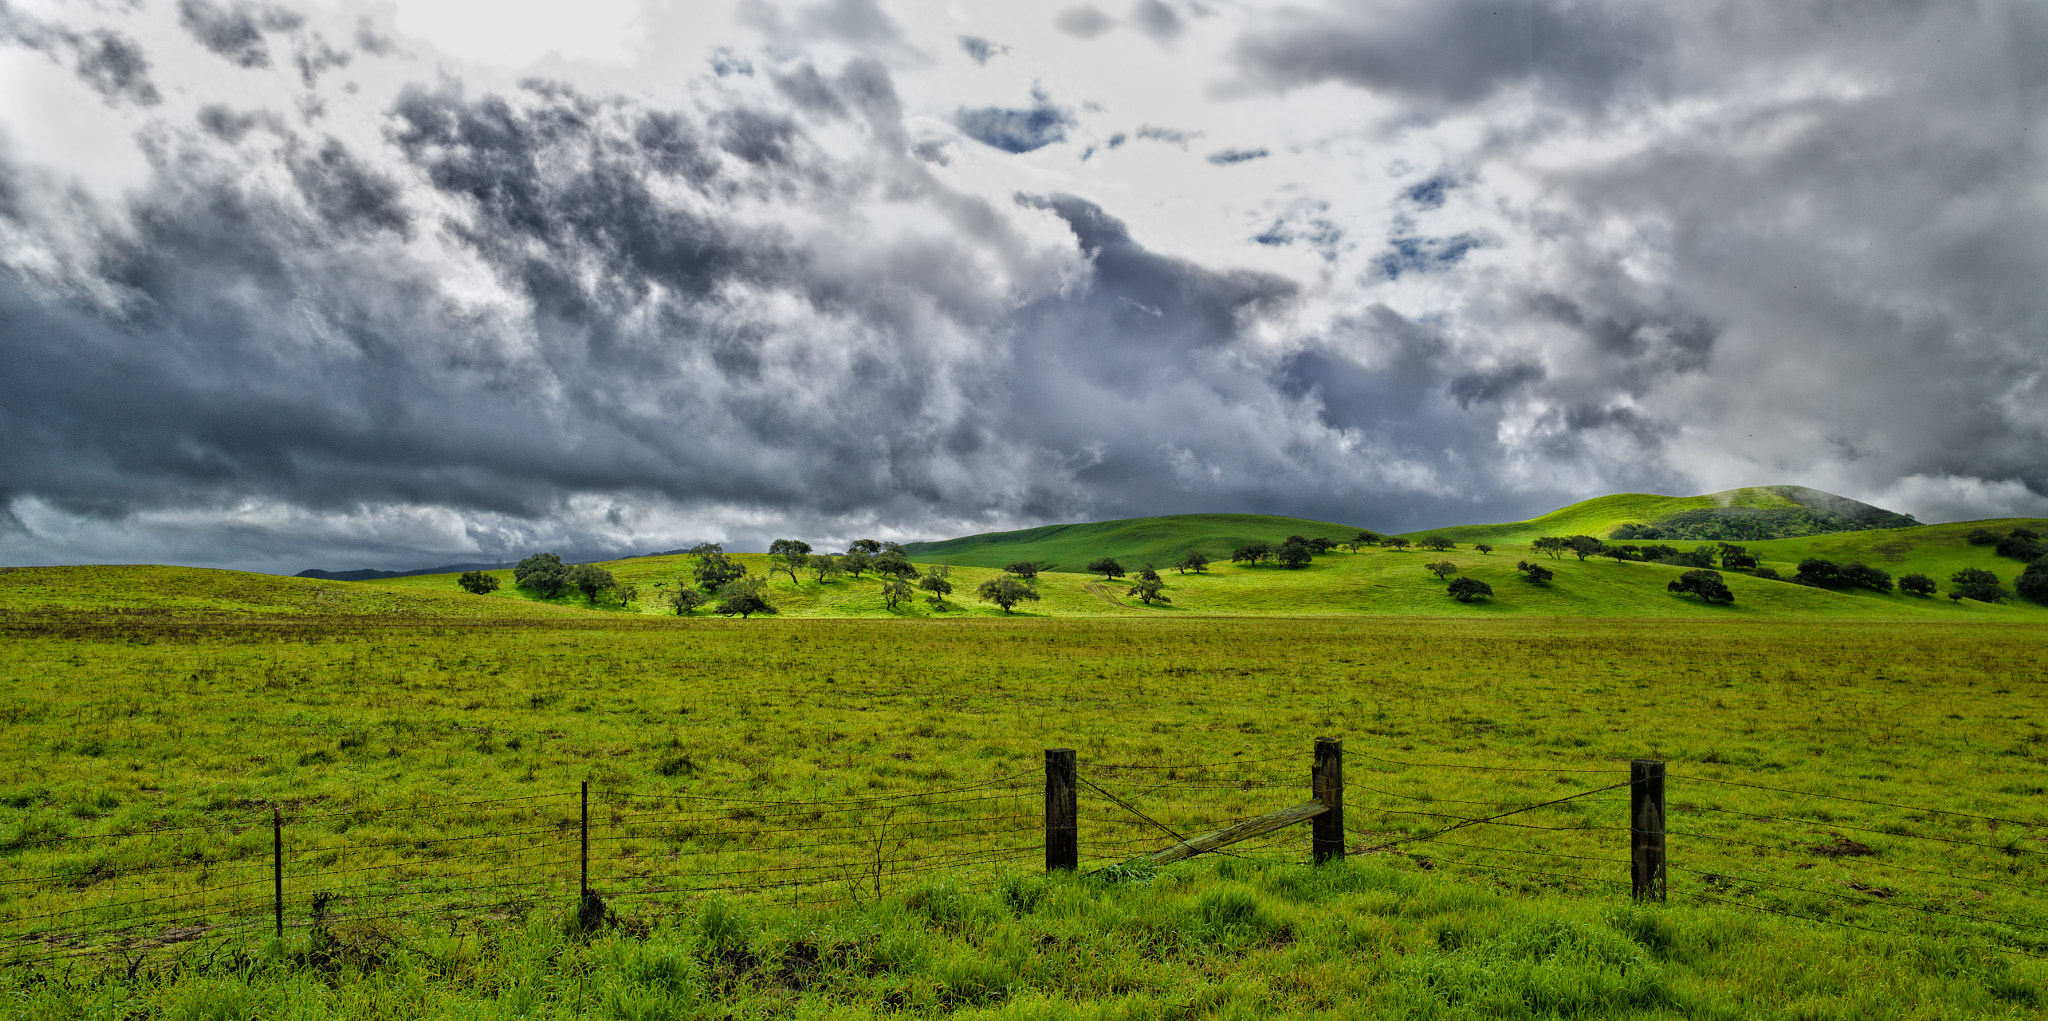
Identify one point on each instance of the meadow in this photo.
(154, 718)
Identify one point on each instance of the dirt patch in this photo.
(1843, 847)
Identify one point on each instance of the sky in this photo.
(322, 283)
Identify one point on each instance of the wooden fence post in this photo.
(1062, 835)
(277, 869)
(583, 877)
(1327, 840)
(1646, 829)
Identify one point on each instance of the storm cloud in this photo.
(389, 313)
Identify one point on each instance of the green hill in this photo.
(1752, 514)
(1132, 541)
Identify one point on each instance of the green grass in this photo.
(1133, 542)
(374, 733)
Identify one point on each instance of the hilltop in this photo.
(1751, 514)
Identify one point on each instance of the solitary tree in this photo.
(1363, 539)
(1295, 553)
(1536, 573)
(1005, 592)
(1394, 542)
(543, 574)
(791, 555)
(478, 582)
(1147, 587)
(1251, 553)
(1465, 590)
(1105, 566)
(1552, 545)
(744, 596)
(896, 590)
(1917, 584)
(1321, 545)
(1024, 569)
(591, 579)
(1482, 547)
(1703, 583)
(1436, 543)
(715, 570)
(1583, 546)
(1192, 560)
(1442, 569)
(936, 582)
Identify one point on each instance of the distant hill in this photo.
(1134, 542)
(1738, 515)
(371, 575)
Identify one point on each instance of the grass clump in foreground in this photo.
(1216, 938)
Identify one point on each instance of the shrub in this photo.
(1982, 537)
(1005, 592)
(1465, 590)
(744, 596)
(1735, 557)
(543, 574)
(1536, 573)
(2021, 544)
(478, 582)
(1917, 584)
(1703, 583)
(1768, 573)
(1976, 583)
(2033, 582)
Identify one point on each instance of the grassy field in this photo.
(153, 719)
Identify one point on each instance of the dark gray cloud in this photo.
(1157, 20)
(1083, 22)
(1453, 52)
(234, 31)
(1227, 157)
(981, 49)
(1017, 130)
(112, 63)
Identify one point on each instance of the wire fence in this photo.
(1832, 859)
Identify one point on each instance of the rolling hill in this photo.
(1751, 514)
(1132, 541)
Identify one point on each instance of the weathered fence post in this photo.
(1062, 835)
(583, 877)
(1327, 840)
(277, 869)
(1646, 829)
